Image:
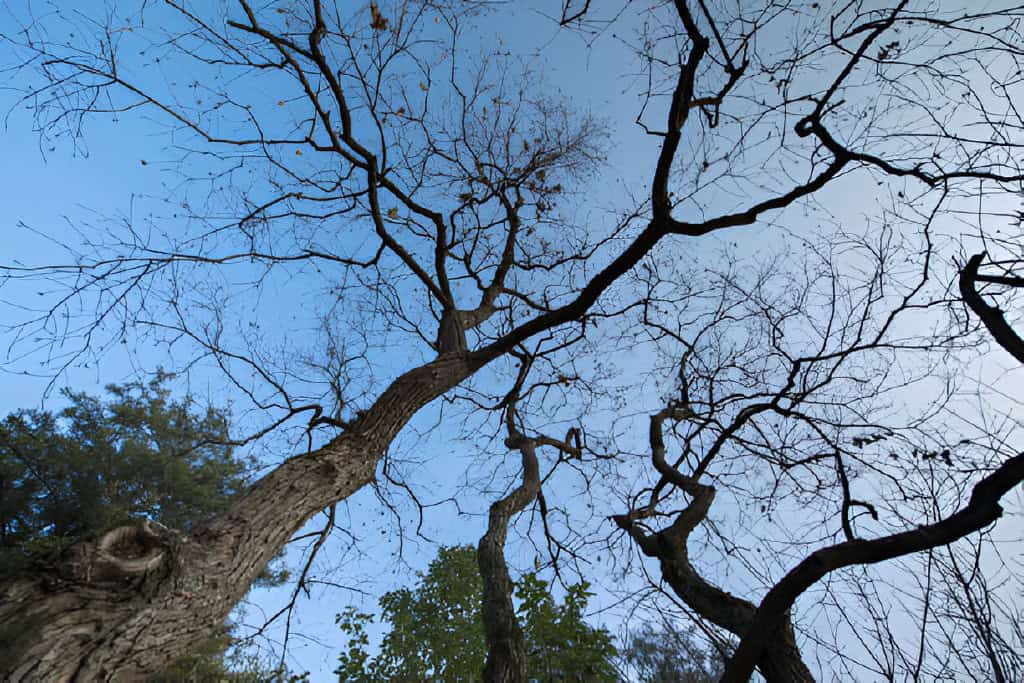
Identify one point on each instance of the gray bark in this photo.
(126, 607)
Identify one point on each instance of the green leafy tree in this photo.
(437, 630)
(560, 646)
(97, 464)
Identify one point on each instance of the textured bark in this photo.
(506, 646)
(126, 607)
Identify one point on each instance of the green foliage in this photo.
(560, 646)
(98, 464)
(355, 661)
(437, 630)
(669, 656)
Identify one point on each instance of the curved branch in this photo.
(982, 509)
(991, 316)
(783, 662)
(506, 647)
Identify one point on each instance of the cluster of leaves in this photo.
(437, 629)
(560, 645)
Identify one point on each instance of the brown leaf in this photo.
(378, 21)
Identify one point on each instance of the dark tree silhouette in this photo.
(431, 205)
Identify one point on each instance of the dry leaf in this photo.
(393, 212)
(377, 20)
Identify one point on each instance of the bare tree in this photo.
(506, 645)
(785, 392)
(424, 198)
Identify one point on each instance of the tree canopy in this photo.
(100, 463)
(436, 629)
(97, 464)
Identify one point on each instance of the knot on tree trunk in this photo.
(124, 553)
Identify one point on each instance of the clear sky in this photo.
(123, 170)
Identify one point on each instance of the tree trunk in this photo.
(127, 606)
(781, 663)
(506, 646)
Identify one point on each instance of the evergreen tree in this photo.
(97, 464)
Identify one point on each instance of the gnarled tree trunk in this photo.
(127, 606)
(781, 663)
(506, 647)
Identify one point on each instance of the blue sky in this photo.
(124, 170)
(56, 190)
